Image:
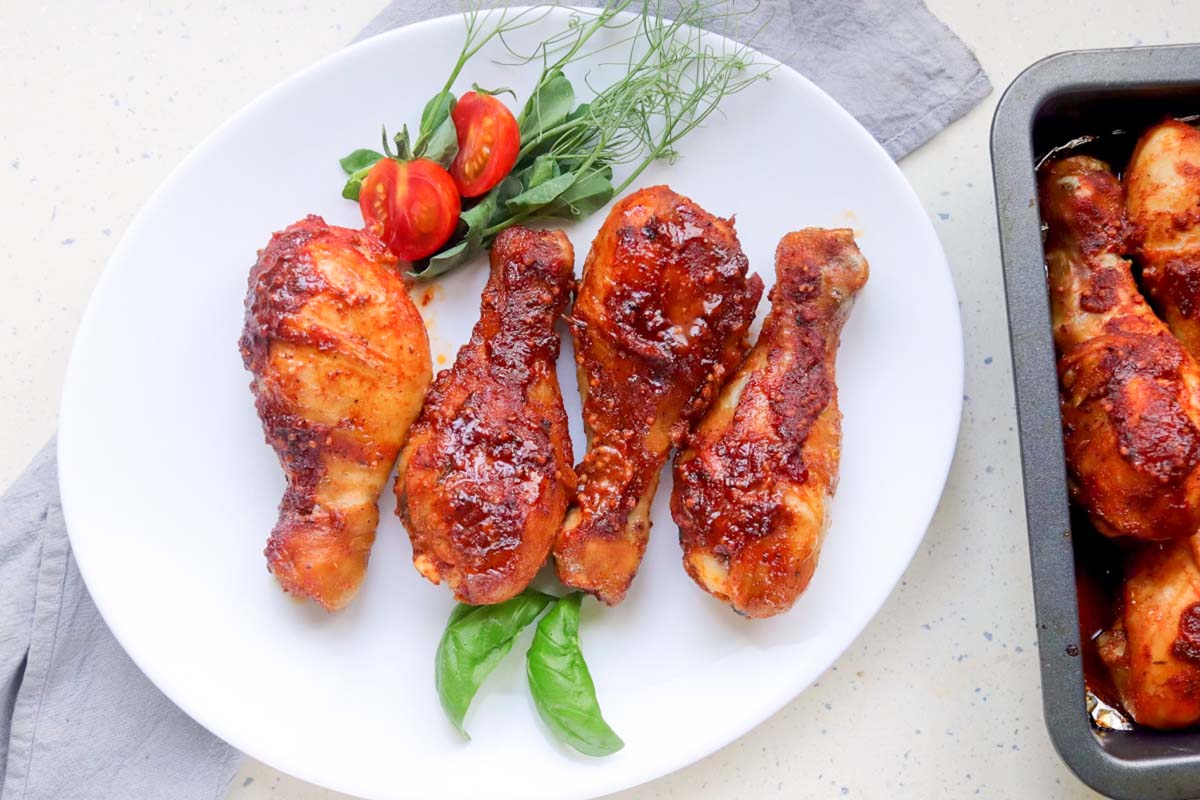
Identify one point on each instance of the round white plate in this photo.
(170, 491)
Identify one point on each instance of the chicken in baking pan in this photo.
(340, 364)
(1152, 650)
(486, 474)
(754, 480)
(1130, 392)
(660, 320)
(1163, 183)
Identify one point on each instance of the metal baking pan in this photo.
(1069, 95)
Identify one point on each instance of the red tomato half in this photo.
(488, 142)
(412, 206)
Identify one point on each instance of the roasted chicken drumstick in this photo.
(340, 361)
(1163, 182)
(1130, 392)
(660, 319)
(1153, 649)
(486, 474)
(754, 481)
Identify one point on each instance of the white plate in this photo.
(169, 490)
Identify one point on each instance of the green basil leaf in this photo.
(437, 139)
(359, 159)
(548, 107)
(434, 114)
(491, 208)
(475, 640)
(544, 168)
(459, 611)
(586, 196)
(354, 183)
(580, 111)
(442, 144)
(561, 685)
(540, 194)
(357, 165)
(445, 260)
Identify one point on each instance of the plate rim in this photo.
(651, 769)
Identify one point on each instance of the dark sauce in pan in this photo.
(1098, 579)
(1098, 559)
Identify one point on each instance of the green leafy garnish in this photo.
(359, 159)
(548, 107)
(562, 686)
(672, 82)
(475, 640)
(438, 139)
(585, 196)
(357, 165)
(540, 194)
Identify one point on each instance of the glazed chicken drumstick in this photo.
(1130, 392)
(660, 319)
(1152, 650)
(340, 361)
(1163, 181)
(486, 474)
(754, 481)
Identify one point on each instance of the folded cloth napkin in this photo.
(892, 64)
(77, 718)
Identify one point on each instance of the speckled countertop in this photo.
(939, 697)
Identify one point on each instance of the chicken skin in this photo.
(754, 481)
(486, 474)
(340, 360)
(1130, 393)
(1153, 649)
(1163, 183)
(660, 320)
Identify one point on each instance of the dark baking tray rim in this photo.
(1145, 764)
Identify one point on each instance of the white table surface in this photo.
(939, 697)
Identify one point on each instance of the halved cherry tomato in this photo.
(412, 206)
(488, 142)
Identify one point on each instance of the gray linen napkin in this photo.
(892, 64)
(79, 720)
